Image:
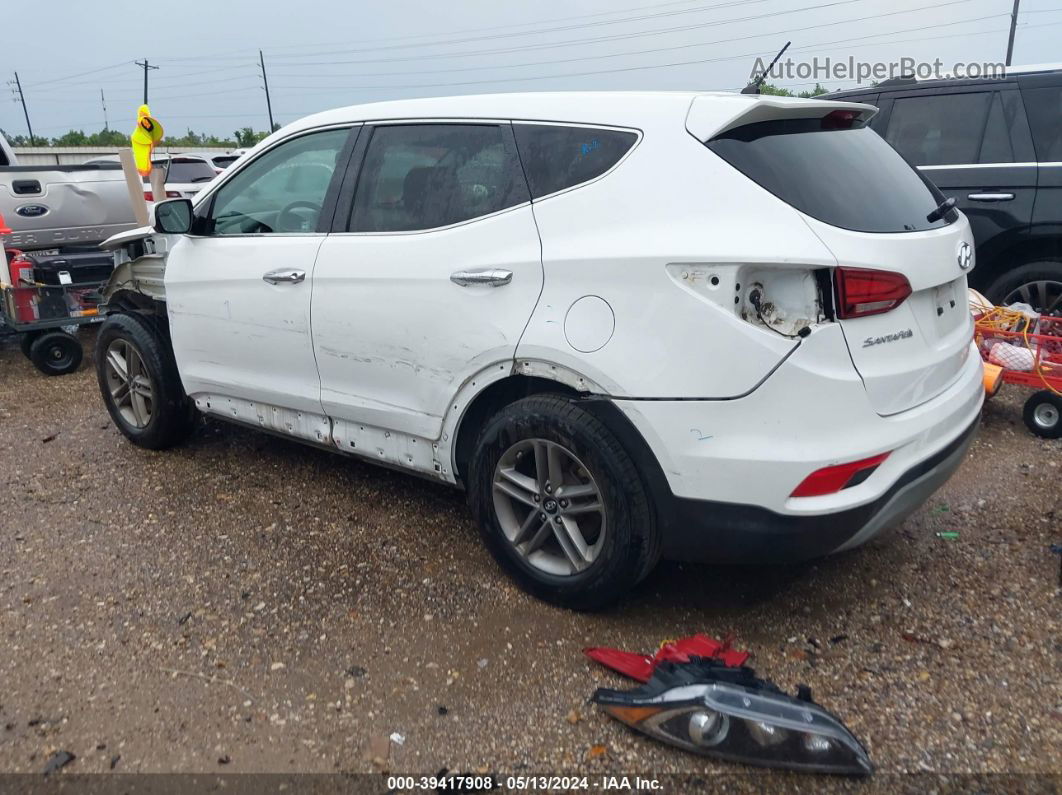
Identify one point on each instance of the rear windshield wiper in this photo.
(943, 209)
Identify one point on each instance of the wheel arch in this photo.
(519, 383)
(1011, 253)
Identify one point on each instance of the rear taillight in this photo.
(830, 480)
(862, 292)
(170, 194)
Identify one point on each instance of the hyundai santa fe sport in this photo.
(704, 326)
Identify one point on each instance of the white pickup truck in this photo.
(62, 207)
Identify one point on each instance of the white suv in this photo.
(707, 326)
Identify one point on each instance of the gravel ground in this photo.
(247, 604)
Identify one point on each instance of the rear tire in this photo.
(1035, 283)
(1043, 414)
(614, 543)
(55, 352)
(139, 382)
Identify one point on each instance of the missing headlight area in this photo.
(729, 713)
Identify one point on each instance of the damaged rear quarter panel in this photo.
(626, 236)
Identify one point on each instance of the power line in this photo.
(598, 39)
(631, 68)
(79, 74)
(698, 9)
(628, 53)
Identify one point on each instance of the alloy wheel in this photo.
(549, 506)
(1043, 295)
(129, 383)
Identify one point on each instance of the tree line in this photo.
(245, 137)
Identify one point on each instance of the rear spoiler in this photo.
(714, 115)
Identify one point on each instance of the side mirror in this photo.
(174, 217)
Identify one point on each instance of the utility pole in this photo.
(22, 99)
(145, 66)
(265, 82)
(103, 102)
(1013, 25)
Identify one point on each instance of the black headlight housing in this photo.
(728, 713)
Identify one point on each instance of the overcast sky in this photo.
(327, 53)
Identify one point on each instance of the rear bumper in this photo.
(727, 469)
(724, 532)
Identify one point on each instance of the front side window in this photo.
(941, 129)
(426, 176)
(282, 191)
(557, 157)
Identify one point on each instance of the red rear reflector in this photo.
(862, 292)
(840, 119)
(149, 196)
(830, 480)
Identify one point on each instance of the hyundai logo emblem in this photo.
(32, 210)
(965, 256)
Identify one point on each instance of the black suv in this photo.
(995, 145)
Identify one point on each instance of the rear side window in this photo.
(556, 157)
(426, 176)
(189, 170)
(848, 178)
(940, 129)
(1044, 107)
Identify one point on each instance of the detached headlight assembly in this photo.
(728, 713)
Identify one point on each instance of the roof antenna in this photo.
(754, 86)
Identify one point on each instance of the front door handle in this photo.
(284, 275)
(492, 277)
(990, 197)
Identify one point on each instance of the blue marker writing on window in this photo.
(586, 149)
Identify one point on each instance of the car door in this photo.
(430, 278)
(238, 287)
(973, 143)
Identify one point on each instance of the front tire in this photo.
(560, 503)
(139, 383)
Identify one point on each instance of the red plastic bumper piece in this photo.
(641, 666)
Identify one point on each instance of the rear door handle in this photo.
(492, 277)
(284, 275)
(990, 197)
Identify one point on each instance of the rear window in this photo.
(848, 178)
(557, 157)
(224, 161)
(189, 171)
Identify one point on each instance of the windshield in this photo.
(849, 178)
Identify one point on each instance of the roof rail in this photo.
(904, 80)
